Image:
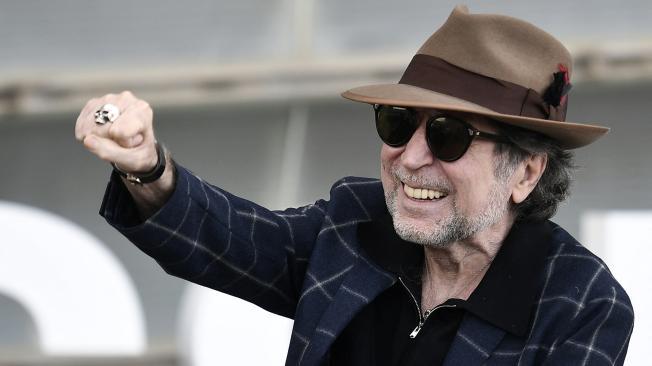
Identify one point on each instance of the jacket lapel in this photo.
(381, 255)
(474, 342)
(364, 282)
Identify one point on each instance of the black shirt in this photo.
(391, 331)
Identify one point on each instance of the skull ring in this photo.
(108, 113)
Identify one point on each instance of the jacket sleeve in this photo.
(215, 239)
(599, 334)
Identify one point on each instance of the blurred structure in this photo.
(246, 94)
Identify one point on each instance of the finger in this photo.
(137, 120)
(85, 122)
(82, 126)
(127, 130)
(136, 140)
(140, 159)
(97, 103)
(106, 149)
(127, 94)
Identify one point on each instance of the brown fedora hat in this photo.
(493, 65)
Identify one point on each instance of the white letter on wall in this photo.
(218, 329)
(623, 239)
(79, 295)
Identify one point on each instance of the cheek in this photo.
(388, 157)
(385, 159)
(472, 193)
(477, 175)
(480, 193)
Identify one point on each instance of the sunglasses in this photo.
(448, 137)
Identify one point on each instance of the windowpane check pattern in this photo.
(306, 264)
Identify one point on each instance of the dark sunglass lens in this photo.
(448, 138)
(395, 125)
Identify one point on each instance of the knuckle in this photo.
(117, 132)
(90, 105)
(80, 128)
(137, 128)
(130, 126)
(145, 107)
(127, 93)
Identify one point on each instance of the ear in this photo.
(527, 176)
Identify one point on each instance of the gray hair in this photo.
(554, 185)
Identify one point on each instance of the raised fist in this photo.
(128, 141)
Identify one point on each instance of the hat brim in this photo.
(567, 134)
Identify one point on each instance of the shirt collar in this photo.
(506, 294)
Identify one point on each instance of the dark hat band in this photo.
(504, 97)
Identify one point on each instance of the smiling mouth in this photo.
(423, 193)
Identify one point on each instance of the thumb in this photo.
(106, 149)
(141, 158)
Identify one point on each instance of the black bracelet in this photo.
(149, 177)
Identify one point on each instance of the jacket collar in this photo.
(507, 293)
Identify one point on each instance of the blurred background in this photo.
(246, 95)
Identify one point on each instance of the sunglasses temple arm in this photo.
(490, 136)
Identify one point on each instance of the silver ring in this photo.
(108, 113)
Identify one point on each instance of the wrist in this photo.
(147, 177)
(150, 198)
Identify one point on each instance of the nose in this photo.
(417, 153)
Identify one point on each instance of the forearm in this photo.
(211, 237)
(150, 197)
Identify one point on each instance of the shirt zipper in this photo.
(422, 318)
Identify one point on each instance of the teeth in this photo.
(422, 193)
(409, 190)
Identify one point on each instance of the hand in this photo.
(129, 141)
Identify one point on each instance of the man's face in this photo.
(471, 198)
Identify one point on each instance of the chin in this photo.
(436, 235)
(428, 231)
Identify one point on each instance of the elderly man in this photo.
(448, 259)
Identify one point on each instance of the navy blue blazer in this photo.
(306, 264)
